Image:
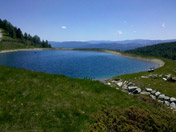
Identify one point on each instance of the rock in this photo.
(167, 103)
(109, 83)
(144, 77)
(152, 96)
(148, 89)
(132, 88)
(164, 79)
(145, 93)
(168, 76)
(160, 75)
(173, 79)
(154, 76)
(138, 90)
(125, 86)
(172, 99)
(160, 101)
(167, 98)
(119, 84)
(130, 83)
(157, 93)
(161, 96)
(173, 105)
(153, 92)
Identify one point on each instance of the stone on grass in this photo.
(166, 98)
(152, 96)
(109, 83)
(160, 101)
(148, 89)
(161, 96)
(119, 84)
(130, 83)
(125, 87)
(173, 79)
(157, 93)
(167, 103)
(153, 92)
(165, 79)
(145, 93)
(144, 77)
(172, 99)
(132, 88)
(138, 90)
(173, 105)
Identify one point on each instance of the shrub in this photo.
(134, 120)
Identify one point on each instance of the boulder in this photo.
(161, 96)
(165, 79)
(157, 93)
(153, 92)
(172, 99)
(138, 90)
(130, 83)
(145, 93)
(167, 103)
(148, 89)
(160, 101)
(144, 77)
(125, 86)
(119, 84)
(167, 98)
(109, 83)
(168, 76)
(173, 105)
(152, 96)
(132, 88)
(173, 79)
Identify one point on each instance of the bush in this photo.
(134, 120)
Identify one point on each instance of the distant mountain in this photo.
(166, 50)
(114, 45)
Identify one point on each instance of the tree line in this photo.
(16, 33)
(166, 50)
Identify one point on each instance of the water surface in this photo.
(76, 64)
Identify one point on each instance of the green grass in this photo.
(166, 87)
(34, 101)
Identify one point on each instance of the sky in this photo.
(83, 20)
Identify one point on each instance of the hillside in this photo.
(112, 45)
(34, 101)
(13, 38)
(165, 50)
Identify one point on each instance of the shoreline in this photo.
(159, 62)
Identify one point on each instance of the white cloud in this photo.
(63, 27)
(120, 32)
(163, 25)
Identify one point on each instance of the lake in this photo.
(76, 64)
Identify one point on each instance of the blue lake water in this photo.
(76, 64)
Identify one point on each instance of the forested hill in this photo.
(166, 50)
(14, 35)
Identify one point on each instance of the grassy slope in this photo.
(38, 101)
(12, 44)
(168, 88)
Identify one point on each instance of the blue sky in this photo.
(82, 20)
